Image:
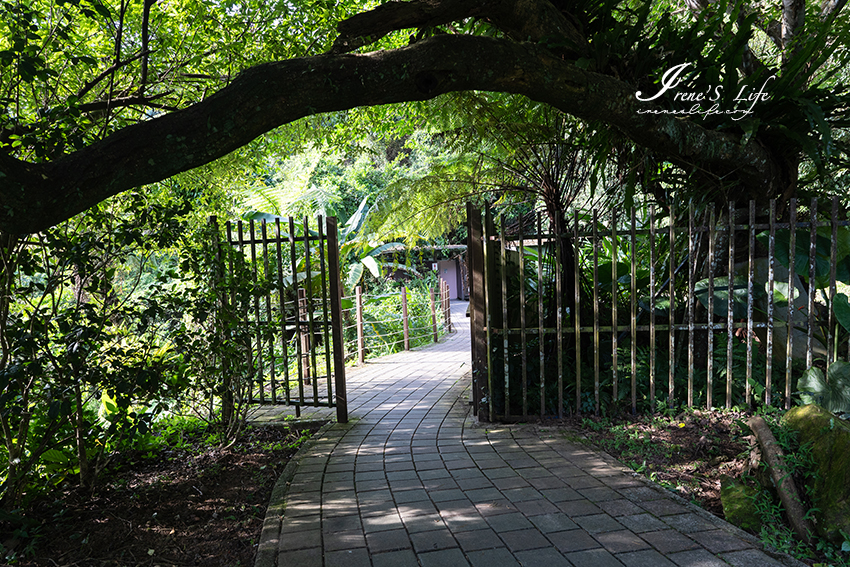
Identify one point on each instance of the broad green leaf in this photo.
(841, 305)
(372, 264)
(721, 296)
(355, 272)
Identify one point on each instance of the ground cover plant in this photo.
(178, 498)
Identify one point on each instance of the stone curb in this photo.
(267, 549)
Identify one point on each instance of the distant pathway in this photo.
(413, 480)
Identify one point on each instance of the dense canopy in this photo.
(100, 98)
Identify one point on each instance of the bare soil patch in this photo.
(196, 506)
(687, 453)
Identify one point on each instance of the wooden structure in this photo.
(685, 326)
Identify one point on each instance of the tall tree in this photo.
(737, 94)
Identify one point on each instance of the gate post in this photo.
(404, 319)
(361, 342)
(475, 258)
(336, 319)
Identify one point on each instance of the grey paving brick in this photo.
(640, 523)
(696, 558)
(641, 494)
(433, 540)
(669, 541)
(521, 494)
(474, 483)
(536, 507)
(621, 541)
(575, 508)
(563, 494)
(519, 540)
(390, 540)
(349, 539)
(300, 540)
(301, 523)
(593, 558)
(476, 540)
(401, 558)
(346, 558)
(599, 494)
(508, 522)
(379, 523)
(499, 557)
(598, 523)
(341, 523)
(483, 494)
(750, 558)
(510, 482)
(301, 558)
(717, 541)
(663, 507)
(572, 540)
(645, 558)
(546, 557)
(415, 495)
(620, 507)
(423, 523)
(554, 522)
(688, 523)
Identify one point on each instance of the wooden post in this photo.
(361, 342)
(475, 257)
(448, 304)
(336, 317)
(433, 314)
(404, 319)
(303, 335)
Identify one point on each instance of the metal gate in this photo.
(281, 280)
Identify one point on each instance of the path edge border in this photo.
(267, 548)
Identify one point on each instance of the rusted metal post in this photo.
(434, 314)
(361, 342)
(404, 319)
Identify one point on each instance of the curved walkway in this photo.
(413, 480)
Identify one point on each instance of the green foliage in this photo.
(831, 391)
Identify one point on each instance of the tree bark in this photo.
(794, 509)
(35, 196)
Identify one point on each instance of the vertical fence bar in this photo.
(595, 312)
(709, 391)
(304, 337)
(633, 313)
(311, 327)
(730, 296)
(268, 326)
(652, 308)
(691, 299)
(542, 342)
(227, 395)
(488, 305)
(671, 313)
(296, 312)
(832, 336)
(792, 293)
(284, 343)
(325, 320)
(615, 260)
(434, 331)
(576, 319)
(750, 286)
(361, 339)
(257, 333)
(522, 335)
(336, 316)
(504, 277)
(813, 235)
(405, 321)
(771, 269)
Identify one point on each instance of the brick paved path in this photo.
(413, 480)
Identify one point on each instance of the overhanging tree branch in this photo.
(34, 197)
